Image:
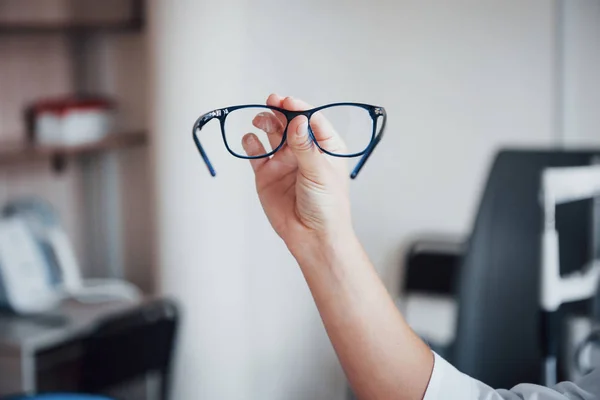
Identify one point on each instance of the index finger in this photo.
(275, 100)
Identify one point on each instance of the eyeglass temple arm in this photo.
(370, 149)
(200, 122)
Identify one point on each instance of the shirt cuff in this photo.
(447, 382)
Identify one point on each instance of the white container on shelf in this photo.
(72, 122)
(48, 127)
(85, 124)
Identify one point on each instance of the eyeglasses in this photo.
(360, 126)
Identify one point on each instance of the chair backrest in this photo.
(498, 329)
(129, 345)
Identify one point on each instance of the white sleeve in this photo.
(448, 383)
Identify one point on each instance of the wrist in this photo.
(316, 251)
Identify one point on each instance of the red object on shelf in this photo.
(69, 120)
(61, 106)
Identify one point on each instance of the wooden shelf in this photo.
(132, 20)
(69, 28)
(18, 153)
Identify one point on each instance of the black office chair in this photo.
(498, 331)
(128, 346)
(431, 269)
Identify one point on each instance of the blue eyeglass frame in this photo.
(375, 112)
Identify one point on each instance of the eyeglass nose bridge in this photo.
(292, 115)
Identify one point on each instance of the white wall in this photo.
(581, 73)
(459, 79)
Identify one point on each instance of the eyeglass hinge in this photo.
(218, 113)
(378, 111)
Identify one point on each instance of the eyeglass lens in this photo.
(353, 124)
(267, 124)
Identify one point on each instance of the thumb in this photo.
(307, 154)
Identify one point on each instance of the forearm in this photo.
(380, 354)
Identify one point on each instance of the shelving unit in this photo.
(14, 153)
(97, 162)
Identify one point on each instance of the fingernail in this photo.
(249, 139)
(262, 114)
(302, 129)
(265, 122)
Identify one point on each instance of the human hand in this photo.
(304, 192)
(305, 196)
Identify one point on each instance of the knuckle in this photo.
(304, 144)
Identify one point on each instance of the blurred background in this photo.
(127, 268)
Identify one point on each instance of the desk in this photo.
(49, 352)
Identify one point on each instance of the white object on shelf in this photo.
(84, 125)
(72, 124)
(25, 283)
(85, 290)
(47, 126)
